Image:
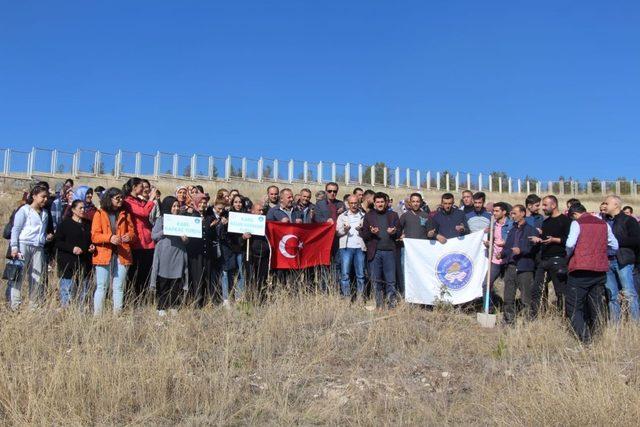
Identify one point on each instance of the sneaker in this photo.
(226, 304)
(162, 313)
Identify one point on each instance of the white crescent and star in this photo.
(283, 245)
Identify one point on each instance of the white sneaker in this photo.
(226, 304)
(162, 313)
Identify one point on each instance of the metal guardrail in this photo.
(122, 163)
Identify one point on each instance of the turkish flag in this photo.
(296, 246)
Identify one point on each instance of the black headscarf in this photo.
(167, 203)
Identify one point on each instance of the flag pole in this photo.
(487, 291)
(485, 319)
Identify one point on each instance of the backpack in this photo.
(6, 233)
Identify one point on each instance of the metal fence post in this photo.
(479, 182)
(138, 166)
(118, 165)
(603, 187)
(7, 161)
(194, 166)
(618, 187)
(385, 171)
(227, 168)
(499, 184)
(211, 167)
(305, 171)
(320, 172)
(490, 183)
(528, 187)
(76, 163)
(396, 177)
(31, 159)
(407, 177)
(418, 183)
(276, 173)
(428, 180)
(96, 163)
(290, 172)
(333, 171)
(54, 161)
(347, 174)
(243, 171)
(438, 180)
(260, 169)
(448, 182)
(457, 182)
(359, 173)
(156, 165)
(538, 187)
(373, 175)
(509, 184)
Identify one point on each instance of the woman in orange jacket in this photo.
(112, 233)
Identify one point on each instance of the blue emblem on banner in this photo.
(454, 270)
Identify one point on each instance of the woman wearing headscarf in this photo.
(201, 253)
(60, 205)
(84, 194)
(169, 274)
(73, 242)
(181, 195)
(142, 249)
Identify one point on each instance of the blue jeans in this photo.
(382, 271)
(115, 273)
(621, 279)
(349, 256)
(227, 279)
(69, 291)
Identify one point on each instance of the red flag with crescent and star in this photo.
(296, 246)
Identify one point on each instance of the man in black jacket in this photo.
(621, 264)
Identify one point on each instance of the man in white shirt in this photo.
(352, 247)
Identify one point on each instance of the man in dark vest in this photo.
(587, 244)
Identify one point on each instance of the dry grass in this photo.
(309, 359)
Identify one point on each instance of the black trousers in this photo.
(514, 280)
(169, 292)
(585, 302)
(139, 274)
(256, 282)
(556, 269)
(200, 286)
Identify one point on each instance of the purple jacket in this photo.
(370, 239)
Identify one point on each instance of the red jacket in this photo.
(139, 211)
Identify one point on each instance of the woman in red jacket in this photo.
(139, 209)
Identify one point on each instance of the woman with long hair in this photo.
(113, 233)
(169, 275)
(233, 248)
(28, 237)
(139, 209)
(73, 242)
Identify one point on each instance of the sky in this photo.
(543, 89)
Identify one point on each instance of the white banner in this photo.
(182, 225)
(452, 272)
(246, 223)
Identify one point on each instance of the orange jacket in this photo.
(101, 237)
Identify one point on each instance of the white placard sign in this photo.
(247, 223)
(181, 225)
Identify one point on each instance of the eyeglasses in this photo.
(332, 191)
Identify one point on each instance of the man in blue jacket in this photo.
(518, 256)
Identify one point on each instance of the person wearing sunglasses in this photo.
(327, 210)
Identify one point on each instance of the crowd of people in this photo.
(99, 239)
